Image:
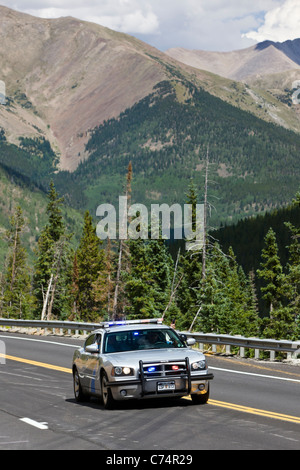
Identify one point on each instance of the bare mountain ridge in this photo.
(262, 59)
(290, 48)
(64, 77)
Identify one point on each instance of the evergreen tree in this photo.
(271, 272)
(52, 275)
(292, 287)
(282, 325)
(104, 285)
(225, 296)
(148, 284)
(17, 300)
(190, 270)
(90, 261)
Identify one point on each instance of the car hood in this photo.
(154, 355)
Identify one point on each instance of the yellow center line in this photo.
(222, 404)
(36, 363)
(254, 411)
(246, 409)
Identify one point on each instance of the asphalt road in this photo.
(253, 406)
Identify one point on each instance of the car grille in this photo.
(165, 369)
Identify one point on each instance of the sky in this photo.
(215, 25)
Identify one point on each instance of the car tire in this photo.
(78, 393)
(107, 397)
(200, 399)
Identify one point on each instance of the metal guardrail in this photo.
(50, 324)
(291, 348)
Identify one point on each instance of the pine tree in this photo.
(52, 275)
(189, 271)
(148, 284)
(17, 300)
(75, 290)
(271, 272)
(89, 264)
(292, 287)
(56, 225)
(103, 287)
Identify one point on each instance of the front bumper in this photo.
(183, 384)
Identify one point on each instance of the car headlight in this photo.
(119, 371)
(200, 365)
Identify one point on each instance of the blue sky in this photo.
(220, 25)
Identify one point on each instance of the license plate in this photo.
(163, 386)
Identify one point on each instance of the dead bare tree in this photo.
(122, 247)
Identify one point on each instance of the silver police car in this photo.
(139, 359)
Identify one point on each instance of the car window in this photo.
(90, 340)
(141, 339)
(98, 339)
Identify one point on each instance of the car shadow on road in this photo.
(96, 404)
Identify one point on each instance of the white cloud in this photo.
(196, 24)
(280, 24)
(128, 16)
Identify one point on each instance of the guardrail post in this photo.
(272, 355)
(242, 351)
(2, 352)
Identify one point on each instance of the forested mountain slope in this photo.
(254, 166)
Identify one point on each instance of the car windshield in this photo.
(135, 340)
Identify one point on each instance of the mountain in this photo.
(254, 165)
(64, 77)
(268, 71)
(264, 58)
(82, 101)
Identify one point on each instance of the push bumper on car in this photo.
(164, 385)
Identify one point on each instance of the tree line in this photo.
(112, 279)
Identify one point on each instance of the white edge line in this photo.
(255, 375)
(41, 341)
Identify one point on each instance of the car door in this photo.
(85, 362)
(92, 364)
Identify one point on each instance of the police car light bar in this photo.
(108, 324)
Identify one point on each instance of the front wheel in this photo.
(200, 399)
(107, 397)
(78, 393)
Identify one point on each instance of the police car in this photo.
(139, 359)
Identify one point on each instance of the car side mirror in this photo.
(92, 348)
(190, 341)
